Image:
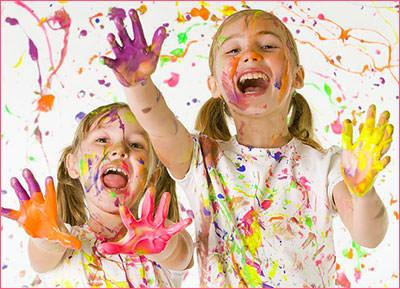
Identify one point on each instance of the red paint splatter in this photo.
(342, 280)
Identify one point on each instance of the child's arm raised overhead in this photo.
(134, 63)
(38, 217)
(357, 202)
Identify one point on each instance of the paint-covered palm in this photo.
(37, 215)
(362, 160)
(134, 60)
(147, 235)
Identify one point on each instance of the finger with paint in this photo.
(148, 235)
(135, 60)
(38, 215)
(363, 159)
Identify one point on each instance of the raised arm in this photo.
(38, 217)
(357, 202)
(133, 65)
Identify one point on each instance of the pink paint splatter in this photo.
(342, 280)
(173, 80)
(336, 126)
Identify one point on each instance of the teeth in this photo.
(256, 75)
(115, 170)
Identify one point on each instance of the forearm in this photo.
(178, 253)
(149, 107)
(370, 219)
(44, 255)
(171, 140)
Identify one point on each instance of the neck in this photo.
(269, 131)
(104, 224)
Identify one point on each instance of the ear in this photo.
(72, 165)
(213, 87)
(299, 78)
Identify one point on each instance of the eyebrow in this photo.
(222, 39)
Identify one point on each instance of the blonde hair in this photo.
(70, 193)
(211, 119)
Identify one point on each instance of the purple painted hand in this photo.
(134, 61)
(38, 216)
(149, 234)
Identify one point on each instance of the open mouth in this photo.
(115, 178)
(253, 83)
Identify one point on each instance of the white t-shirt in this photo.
(88, 268)
(263, 217)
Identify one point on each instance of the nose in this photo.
(251, 56)
(119, 151)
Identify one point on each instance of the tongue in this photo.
(114, 181)
(251, 89)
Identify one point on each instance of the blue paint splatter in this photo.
(242, 168)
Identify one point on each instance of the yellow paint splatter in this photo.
(18, 64)
(272, 272)
(251, 276)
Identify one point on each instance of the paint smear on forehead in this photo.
(128, 117)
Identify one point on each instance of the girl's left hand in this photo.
(362, 160)
(149, 234)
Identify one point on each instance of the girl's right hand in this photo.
(134, 61)
(38, 216)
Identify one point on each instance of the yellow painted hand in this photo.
(362, 160)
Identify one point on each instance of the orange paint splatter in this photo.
(142, 9)
(80, 70)
(392, 201)
(93, 58)
(234, 65)
(275, 218)
(203, 13)
(396, 214)
(45, 103)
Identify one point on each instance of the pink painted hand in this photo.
(135, 60)
(362, 160)
(38, 216)
(149, 234)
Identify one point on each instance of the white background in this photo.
(374, 22)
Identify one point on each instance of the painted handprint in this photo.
(38, 215)
(134, 61)
(147, 235)
(362, 160)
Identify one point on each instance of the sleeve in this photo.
(334, 174)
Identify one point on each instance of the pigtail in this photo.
(70, 201)
(166, 184)
(211, 119)
(300, 122)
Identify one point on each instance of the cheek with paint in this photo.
(89, 172)
(229, 86)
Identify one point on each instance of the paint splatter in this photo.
(173, 80)
(45, 103)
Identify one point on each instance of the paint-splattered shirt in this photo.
(88, 268)
(263, 216)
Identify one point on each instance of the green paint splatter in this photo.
(164, 60)
(113, 194)
(309, 222)
(326, 128)
(241, 177)
(182, 38)
(31, 158)
(327, 89)
(178, 52)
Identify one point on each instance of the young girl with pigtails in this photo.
(263, 199)
(89, 232)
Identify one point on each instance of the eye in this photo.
(101, 140)
(234, 51)
(268, 47)
(136, 145)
